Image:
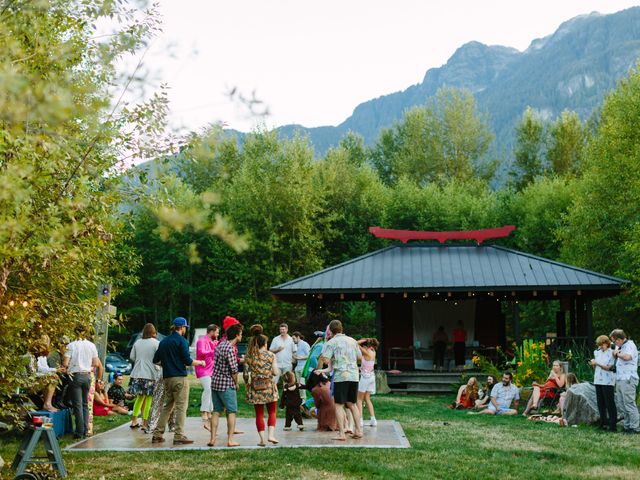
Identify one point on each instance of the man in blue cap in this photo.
(173, 355)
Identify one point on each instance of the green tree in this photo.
(62, 141)
(529, 150)
(601, 233)
(566, 144)
(445, 139)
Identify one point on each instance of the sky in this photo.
(313, 61)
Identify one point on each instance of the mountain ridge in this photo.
(572, 68)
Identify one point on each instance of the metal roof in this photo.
(425, 268)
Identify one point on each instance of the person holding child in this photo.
(291, 401)
(260, 368)
(367, 383)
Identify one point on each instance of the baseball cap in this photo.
(180, 322)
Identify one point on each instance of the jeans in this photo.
(79, 393)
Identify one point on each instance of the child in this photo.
(291, 401)
(367, 384)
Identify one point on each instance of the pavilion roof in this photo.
(424, 268)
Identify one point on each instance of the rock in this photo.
(581, 405)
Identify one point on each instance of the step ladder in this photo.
(25, 457)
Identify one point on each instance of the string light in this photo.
(25, 304)
(12, 303)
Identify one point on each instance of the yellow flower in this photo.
(519, 364)
(529, 371)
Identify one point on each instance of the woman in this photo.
(102, 406)
(555, 381)
(467, 395)
(206, 350)
(439, 340)
(143, 375)
(459, 345)
(604, 380)
(571, 380)
(260, 368)
(324, 403)
(484, 395)
(367, 384)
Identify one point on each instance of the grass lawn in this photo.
(445, 444)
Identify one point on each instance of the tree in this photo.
(528, 152)
(445, 139)
(601, 232)
(62, 139)
(566, 144)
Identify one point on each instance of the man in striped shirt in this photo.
(224, 386)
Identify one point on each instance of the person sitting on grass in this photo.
(116, 392)
(467, 395)
(554, 382)
(484, 395)
(502, 395)
(102, 406)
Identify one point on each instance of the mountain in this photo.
(573, 69)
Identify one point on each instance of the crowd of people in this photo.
(340, 381)
(615, 378)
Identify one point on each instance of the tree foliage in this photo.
(445, 139)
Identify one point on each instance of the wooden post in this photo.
(516, 322)
(589, 320)
(380, 333)
(572, 317)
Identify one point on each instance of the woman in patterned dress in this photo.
(260, 368)
(143, 375)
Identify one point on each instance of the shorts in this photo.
(226, 399)
(367, 384)
(345, 392)
(502, 408)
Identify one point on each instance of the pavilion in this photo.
(417, 287)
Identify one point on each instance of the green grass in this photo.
(444, 444)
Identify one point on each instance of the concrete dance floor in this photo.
(388, 434)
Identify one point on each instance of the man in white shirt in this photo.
(80, 358)
(626, 354)
(285, 349)
(301, 355)
(502, 396)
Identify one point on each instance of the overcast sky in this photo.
(313, 61)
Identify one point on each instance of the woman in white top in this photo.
(604, 380)
(144, 374)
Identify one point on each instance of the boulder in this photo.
(381, 382)
(581, 405)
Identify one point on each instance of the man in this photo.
(301, 355)
(342, 353)
(285, 349)
(224, 386)
(626, 355)
(173, 355)
(502, 394)
(80, 358)
(116, 392)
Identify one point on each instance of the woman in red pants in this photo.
(260, 368)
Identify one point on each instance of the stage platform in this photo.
(388, 434)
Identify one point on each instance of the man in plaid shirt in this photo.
(224, 386)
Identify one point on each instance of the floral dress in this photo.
(260, 367)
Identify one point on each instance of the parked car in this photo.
(134, 338)
(116, 363)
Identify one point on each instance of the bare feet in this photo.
(273, 440)
(233, 444)
(50, 408)
(356, 436)
(340, 439)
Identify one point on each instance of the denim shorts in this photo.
(226, 399)
(502, 408)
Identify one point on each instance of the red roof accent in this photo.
(478, 235)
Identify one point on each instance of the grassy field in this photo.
(445, 444)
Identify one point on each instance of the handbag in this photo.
(261, 383)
